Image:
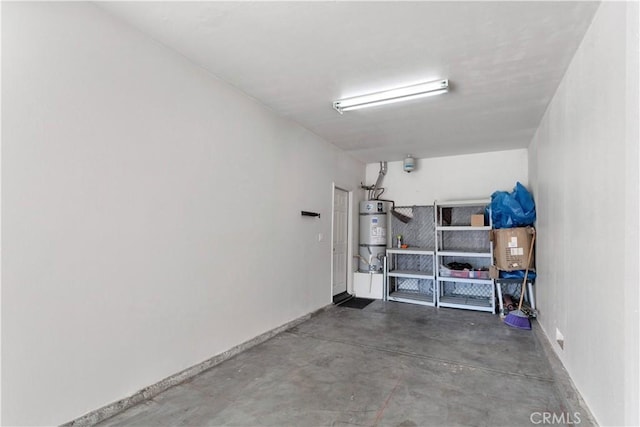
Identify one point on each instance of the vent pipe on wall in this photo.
(376, 186)
(375, 191)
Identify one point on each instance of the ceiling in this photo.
(504, 61)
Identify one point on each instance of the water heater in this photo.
(373, 235)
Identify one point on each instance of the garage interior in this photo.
(170, 173)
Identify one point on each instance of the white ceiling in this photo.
(504, 61)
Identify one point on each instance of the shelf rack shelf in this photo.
(410, 276)
(465, 279)
(462, 228)
(466, 302)
(458, 241)
(461, 253)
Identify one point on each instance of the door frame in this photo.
(349, 192)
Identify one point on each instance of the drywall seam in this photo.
(571, 399)
(112, 409)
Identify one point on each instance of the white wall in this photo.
(469, 176)
(584, 171)
(151, 213)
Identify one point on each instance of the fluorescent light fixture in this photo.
(421, 90)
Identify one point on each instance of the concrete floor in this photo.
(390, 364)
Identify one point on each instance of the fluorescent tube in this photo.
(407, 93)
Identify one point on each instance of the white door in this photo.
(340, 235)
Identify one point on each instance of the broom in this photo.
(518, 319)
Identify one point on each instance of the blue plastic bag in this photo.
(515, 209)
(517, 274)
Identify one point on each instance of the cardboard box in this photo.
(477, 220)
(511, 248)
